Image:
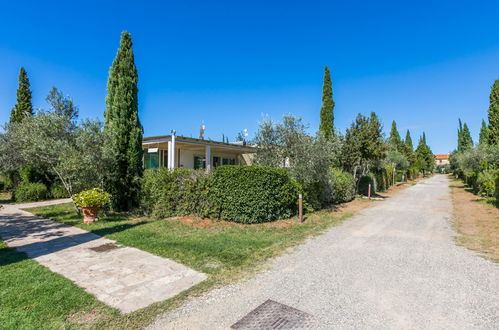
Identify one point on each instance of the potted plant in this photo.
(90, 202)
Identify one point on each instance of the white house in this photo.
(173, 151)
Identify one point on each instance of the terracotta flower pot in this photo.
(90, 214)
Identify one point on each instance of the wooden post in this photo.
(300, 208)
(369, 191)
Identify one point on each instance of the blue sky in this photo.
(228, 63)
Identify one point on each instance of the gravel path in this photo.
(394, 265)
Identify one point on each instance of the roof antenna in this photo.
(201, 130)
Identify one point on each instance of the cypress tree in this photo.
(484, 134)
(494, 114)
(466, 140)
(327, 109)
(409, 149)
(394, 139)
(460, 136)
(23, 106)
(123, 128)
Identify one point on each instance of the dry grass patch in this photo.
(476, 222)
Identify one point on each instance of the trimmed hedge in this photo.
(342, 186)
(31, 192)
(251, 194)
(363, 185)
(179, 192)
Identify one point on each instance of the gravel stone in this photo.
(392, 266)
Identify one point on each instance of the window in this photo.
(151, 159)
(199, 162)
(229, 161)
(216, 161)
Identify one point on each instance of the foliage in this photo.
(342, 186)
(31, 192)
(364, 146)
(484, 134)
(397, 159)
(123, 129)
(497, 188)
(485, 183)
(58, 191)
(306, 158)
(327, 110)
(250, 194)
(425, 160)
(95, 197)
(493, 114)
(409, 149)
(56, 143)
(177, 192)
(363, 185)
(60, 104)
(394, 140)
(464, 140)
(23, 107)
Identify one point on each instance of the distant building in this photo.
(441, 159)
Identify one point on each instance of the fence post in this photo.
(369, 191)
(300, 208)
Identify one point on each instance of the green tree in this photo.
(460, 136)
(409, 149)
(327, 109)
(23, 106)
(61, 105)
(123, 129)
(425, 160)
(394, 139)
(466, 140)
(484, 134)
(494, 114)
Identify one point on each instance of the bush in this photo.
(251, 194)
(485, 183)
(31, 192)
(95, 197)
(58, 191)
(497, 188)
(179, 192)
(363, 185)
(342, 186)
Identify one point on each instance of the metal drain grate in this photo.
(105, 247)
(273, 315)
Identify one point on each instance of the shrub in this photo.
(363, 185)
(58, 191)
(485, 183)
(342, 186)
(95, 197)
(251, 194)
(178, 192)
(497, 188)
(31, 192)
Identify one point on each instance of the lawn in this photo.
(223, 250)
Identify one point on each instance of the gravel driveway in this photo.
(394, 265)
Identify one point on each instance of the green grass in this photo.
(31, 296)
(225, 251)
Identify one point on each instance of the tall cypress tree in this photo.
(327, 109)
(460, 136)
(23, 106)
(123, 128)
(466, 140)
(494, 114)
(484, 134)
(394, 139)
(409, 149)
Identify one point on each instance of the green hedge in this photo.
(250, 194)
(31, 192)
(177, 193)
(497, 188)
(485, 183)
(363, 185)
(342, 186)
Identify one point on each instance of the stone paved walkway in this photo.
(125, 278)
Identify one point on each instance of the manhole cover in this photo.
(273, 315)
(105, 247)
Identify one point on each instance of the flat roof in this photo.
(184, 139)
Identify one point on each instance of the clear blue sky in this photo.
(227, 63)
